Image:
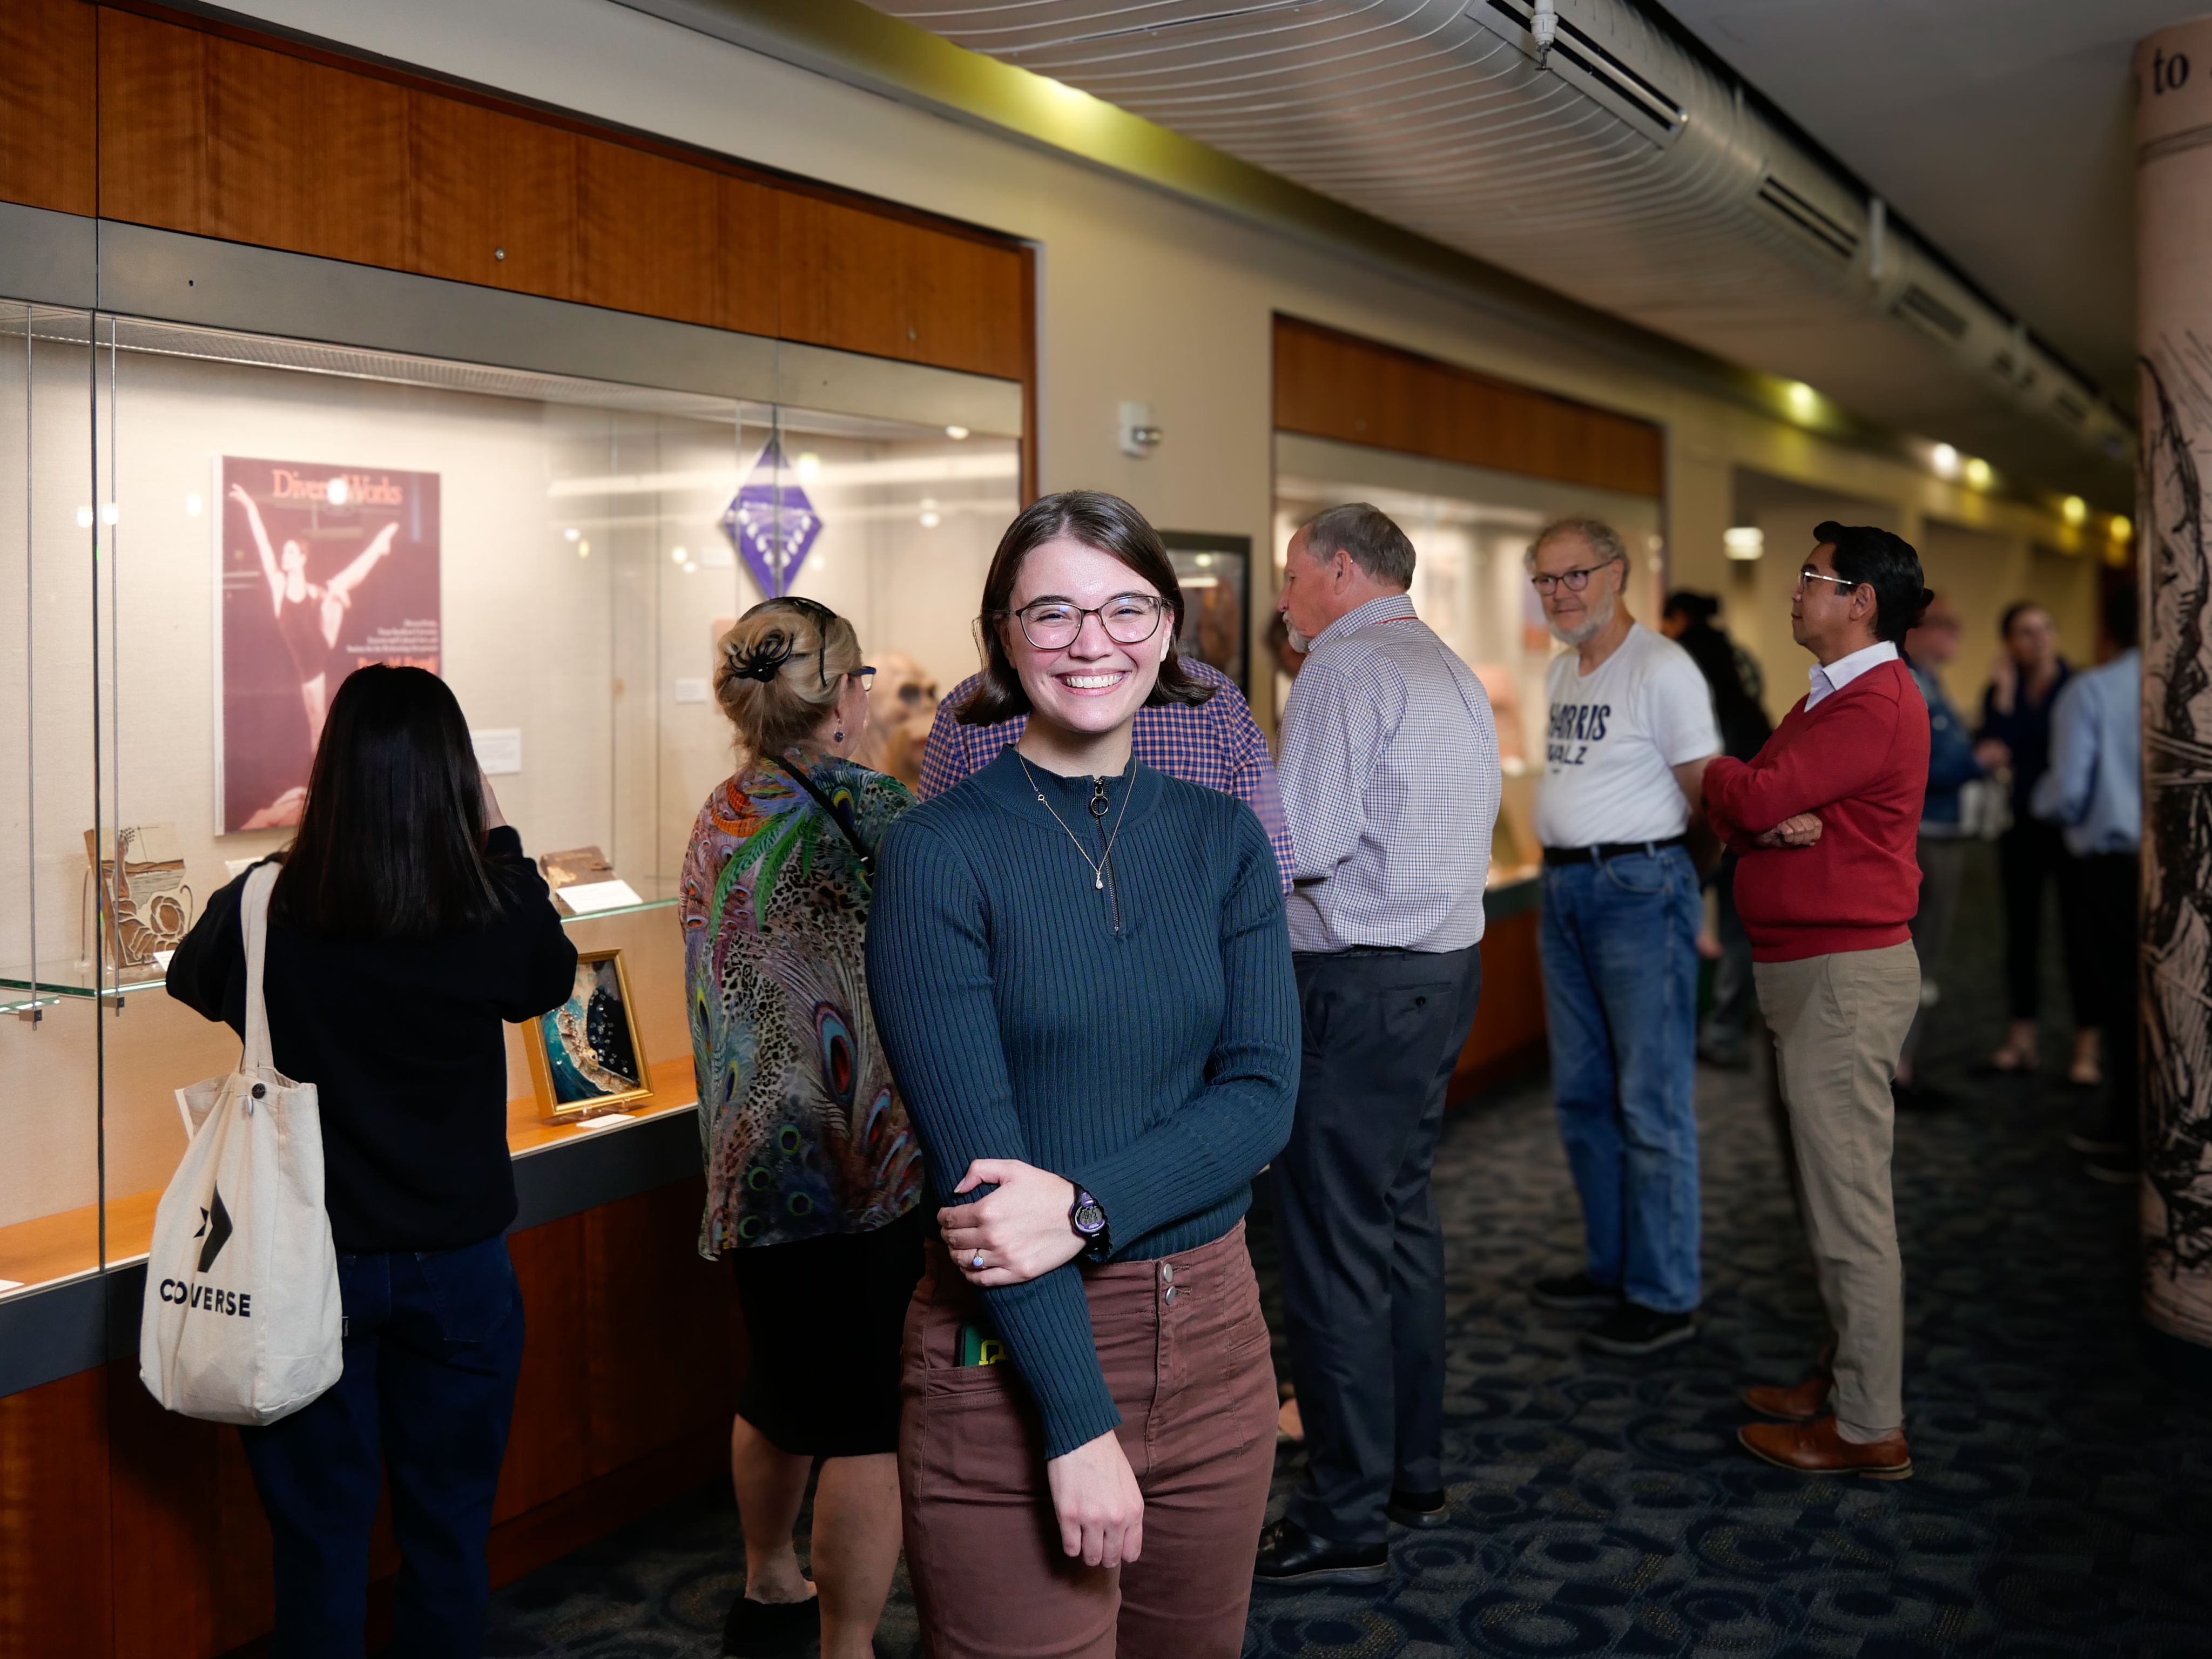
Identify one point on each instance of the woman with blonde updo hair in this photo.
(812, 1173)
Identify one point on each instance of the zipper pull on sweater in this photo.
(1098, 803)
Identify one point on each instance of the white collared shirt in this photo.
(1841, 672)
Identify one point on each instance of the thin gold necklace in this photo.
(1097, 864)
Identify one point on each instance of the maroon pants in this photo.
(1185, 1354)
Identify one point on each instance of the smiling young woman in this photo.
(1082, 973)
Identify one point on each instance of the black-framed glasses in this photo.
(1127, 618)
(1573, 580)
(1809, 574)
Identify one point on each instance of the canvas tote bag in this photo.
(241, 1317)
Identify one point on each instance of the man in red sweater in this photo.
(1826, 818)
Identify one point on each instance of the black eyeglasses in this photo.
(1573, 580)
(1127, 618)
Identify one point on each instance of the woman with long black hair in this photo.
(406, 929)
(1082, 972)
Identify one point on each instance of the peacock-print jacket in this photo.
(802, 1129)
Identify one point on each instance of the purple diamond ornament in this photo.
(771, 524)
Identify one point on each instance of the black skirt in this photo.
(823, 1321)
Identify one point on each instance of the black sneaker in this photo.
(1418, 1508)
(771, 1630)
(1633, 1330)
(1289, 1554)
(1573, 1293)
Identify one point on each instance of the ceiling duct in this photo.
(1627, 174)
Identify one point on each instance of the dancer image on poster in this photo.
(309, 614)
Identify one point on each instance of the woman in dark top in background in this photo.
(1687, 618)
(1081, 969)
(406, 929)
(2025, 681)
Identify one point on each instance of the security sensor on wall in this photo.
(1139, 437)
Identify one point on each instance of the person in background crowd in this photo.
(1942, 844)
(2024, 680)
(1391, 779)
(1215, 744)
(1827, 816)
(1097, 1069)
(2093, 793)
(812, 1173)
(1631, 726)
(405, 889)
(1734, 679)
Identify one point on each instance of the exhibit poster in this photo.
(321, 567)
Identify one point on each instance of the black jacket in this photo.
(403, 1040)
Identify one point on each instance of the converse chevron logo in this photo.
(215, 1227)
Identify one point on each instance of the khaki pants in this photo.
(1839, 1022)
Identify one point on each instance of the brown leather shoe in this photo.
(1815, 1447)
(1800, 1402)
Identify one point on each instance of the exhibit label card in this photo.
(322, 568)
(586, 896)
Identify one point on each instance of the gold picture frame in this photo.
(586, 1057)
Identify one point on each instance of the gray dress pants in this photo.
(1363, 1256)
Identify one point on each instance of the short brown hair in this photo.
(1107, 525)
(779, 670)
(1367, 536)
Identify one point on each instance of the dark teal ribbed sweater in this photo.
(1142, 1041)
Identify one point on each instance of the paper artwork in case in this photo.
(147, 907)
(772, 524)
(586, 1057)
(323, 567)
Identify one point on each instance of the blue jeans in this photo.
(433, 1346)
(1620, 985)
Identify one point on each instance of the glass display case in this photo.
(207, 530)
(1470, 528)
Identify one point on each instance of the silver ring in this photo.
(977, 1260)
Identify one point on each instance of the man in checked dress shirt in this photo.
(1390, 783)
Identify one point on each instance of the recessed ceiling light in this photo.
(1944, 461)
(2074, 509)
(956, 433)
(1743, 542)
(1978, 473)
(2121, 529)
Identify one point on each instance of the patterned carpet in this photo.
(2064, 1498)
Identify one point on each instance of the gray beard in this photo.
(1589, 628)
(1300, 642)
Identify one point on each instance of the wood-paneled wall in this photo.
(126, 1533)
(1332, 385)
(192, 125)
(1509, 1031)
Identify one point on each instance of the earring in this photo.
(838, 736)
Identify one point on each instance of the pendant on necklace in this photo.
(1098, 880)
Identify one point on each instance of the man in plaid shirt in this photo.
(1216, 744)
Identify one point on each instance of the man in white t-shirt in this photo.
(1629, 731)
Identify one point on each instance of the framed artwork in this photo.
(320, 568)
(1216, 574)
(586, 1057)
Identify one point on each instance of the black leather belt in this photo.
(1612, 849)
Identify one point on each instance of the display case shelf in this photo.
(20, 992)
